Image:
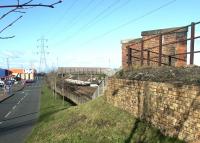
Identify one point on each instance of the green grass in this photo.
(93, 122)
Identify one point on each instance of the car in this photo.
(1, 83)
(9, 82)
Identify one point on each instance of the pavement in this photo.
(15, 88)
(19, 113)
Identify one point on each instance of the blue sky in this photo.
(87, 32)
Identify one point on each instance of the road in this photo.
(19, 113)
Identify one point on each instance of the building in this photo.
(151, 40)
(82, 70)
(4, 73)
(17, 72)
(30, 74)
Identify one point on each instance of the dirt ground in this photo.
(185, 75)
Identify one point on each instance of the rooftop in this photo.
(159, 31)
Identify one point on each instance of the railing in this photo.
(80, 99)
(100, 89)
(148, 51)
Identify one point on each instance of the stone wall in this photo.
(173, 108)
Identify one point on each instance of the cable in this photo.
(76, 19)
(130, 21)
(91, 21)
(108, 14)
(63, 16)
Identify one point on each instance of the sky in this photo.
(87, 32)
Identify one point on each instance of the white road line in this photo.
(18, 102)
(22, 98)
(7, 114)
(14, 107)
(1, 123)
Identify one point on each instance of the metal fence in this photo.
(100, 89)
(131, 52)
(80, 99)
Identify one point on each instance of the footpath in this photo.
(15, 88)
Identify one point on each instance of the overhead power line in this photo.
(63, 16)
(108, 14)
(92, 20)
(131, 21)
(76, 19)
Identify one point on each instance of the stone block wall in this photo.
(173, 108)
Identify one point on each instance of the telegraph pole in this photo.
(43, 63)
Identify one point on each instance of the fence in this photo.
(100, 89)
(80, 99)
(145, 54)
(74, 98)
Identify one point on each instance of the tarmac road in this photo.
(19, 113)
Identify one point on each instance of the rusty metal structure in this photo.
(148, 55)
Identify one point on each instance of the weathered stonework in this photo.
(152, 45)
(173, 108)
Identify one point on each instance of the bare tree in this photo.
(19, 8)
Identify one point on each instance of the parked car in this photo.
(1, 83)
(9, 82)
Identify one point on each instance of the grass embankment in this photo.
(93, 122)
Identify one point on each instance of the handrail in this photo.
(141, 51)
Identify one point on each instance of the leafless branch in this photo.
(4, 15)
(7, 37)
(11, 24)
(19, 11)
(15, 9)
(27, 4)
(18, 7)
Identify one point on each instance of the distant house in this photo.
(25, 74)
(17, 72)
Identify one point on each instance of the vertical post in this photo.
(142, 53)
(98, 91)
(103, 84)
(170, 60)
(52, 87)
(63, 90)
(192, 43)
(55, 87)
(160, 50)
(129, 56)
(148, 57)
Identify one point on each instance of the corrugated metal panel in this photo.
(4, 72)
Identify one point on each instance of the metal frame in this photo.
(160, 48)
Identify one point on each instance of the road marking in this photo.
(1, 123)
(14, 107)
(7, 114)
(28, 90)
(18, 102)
